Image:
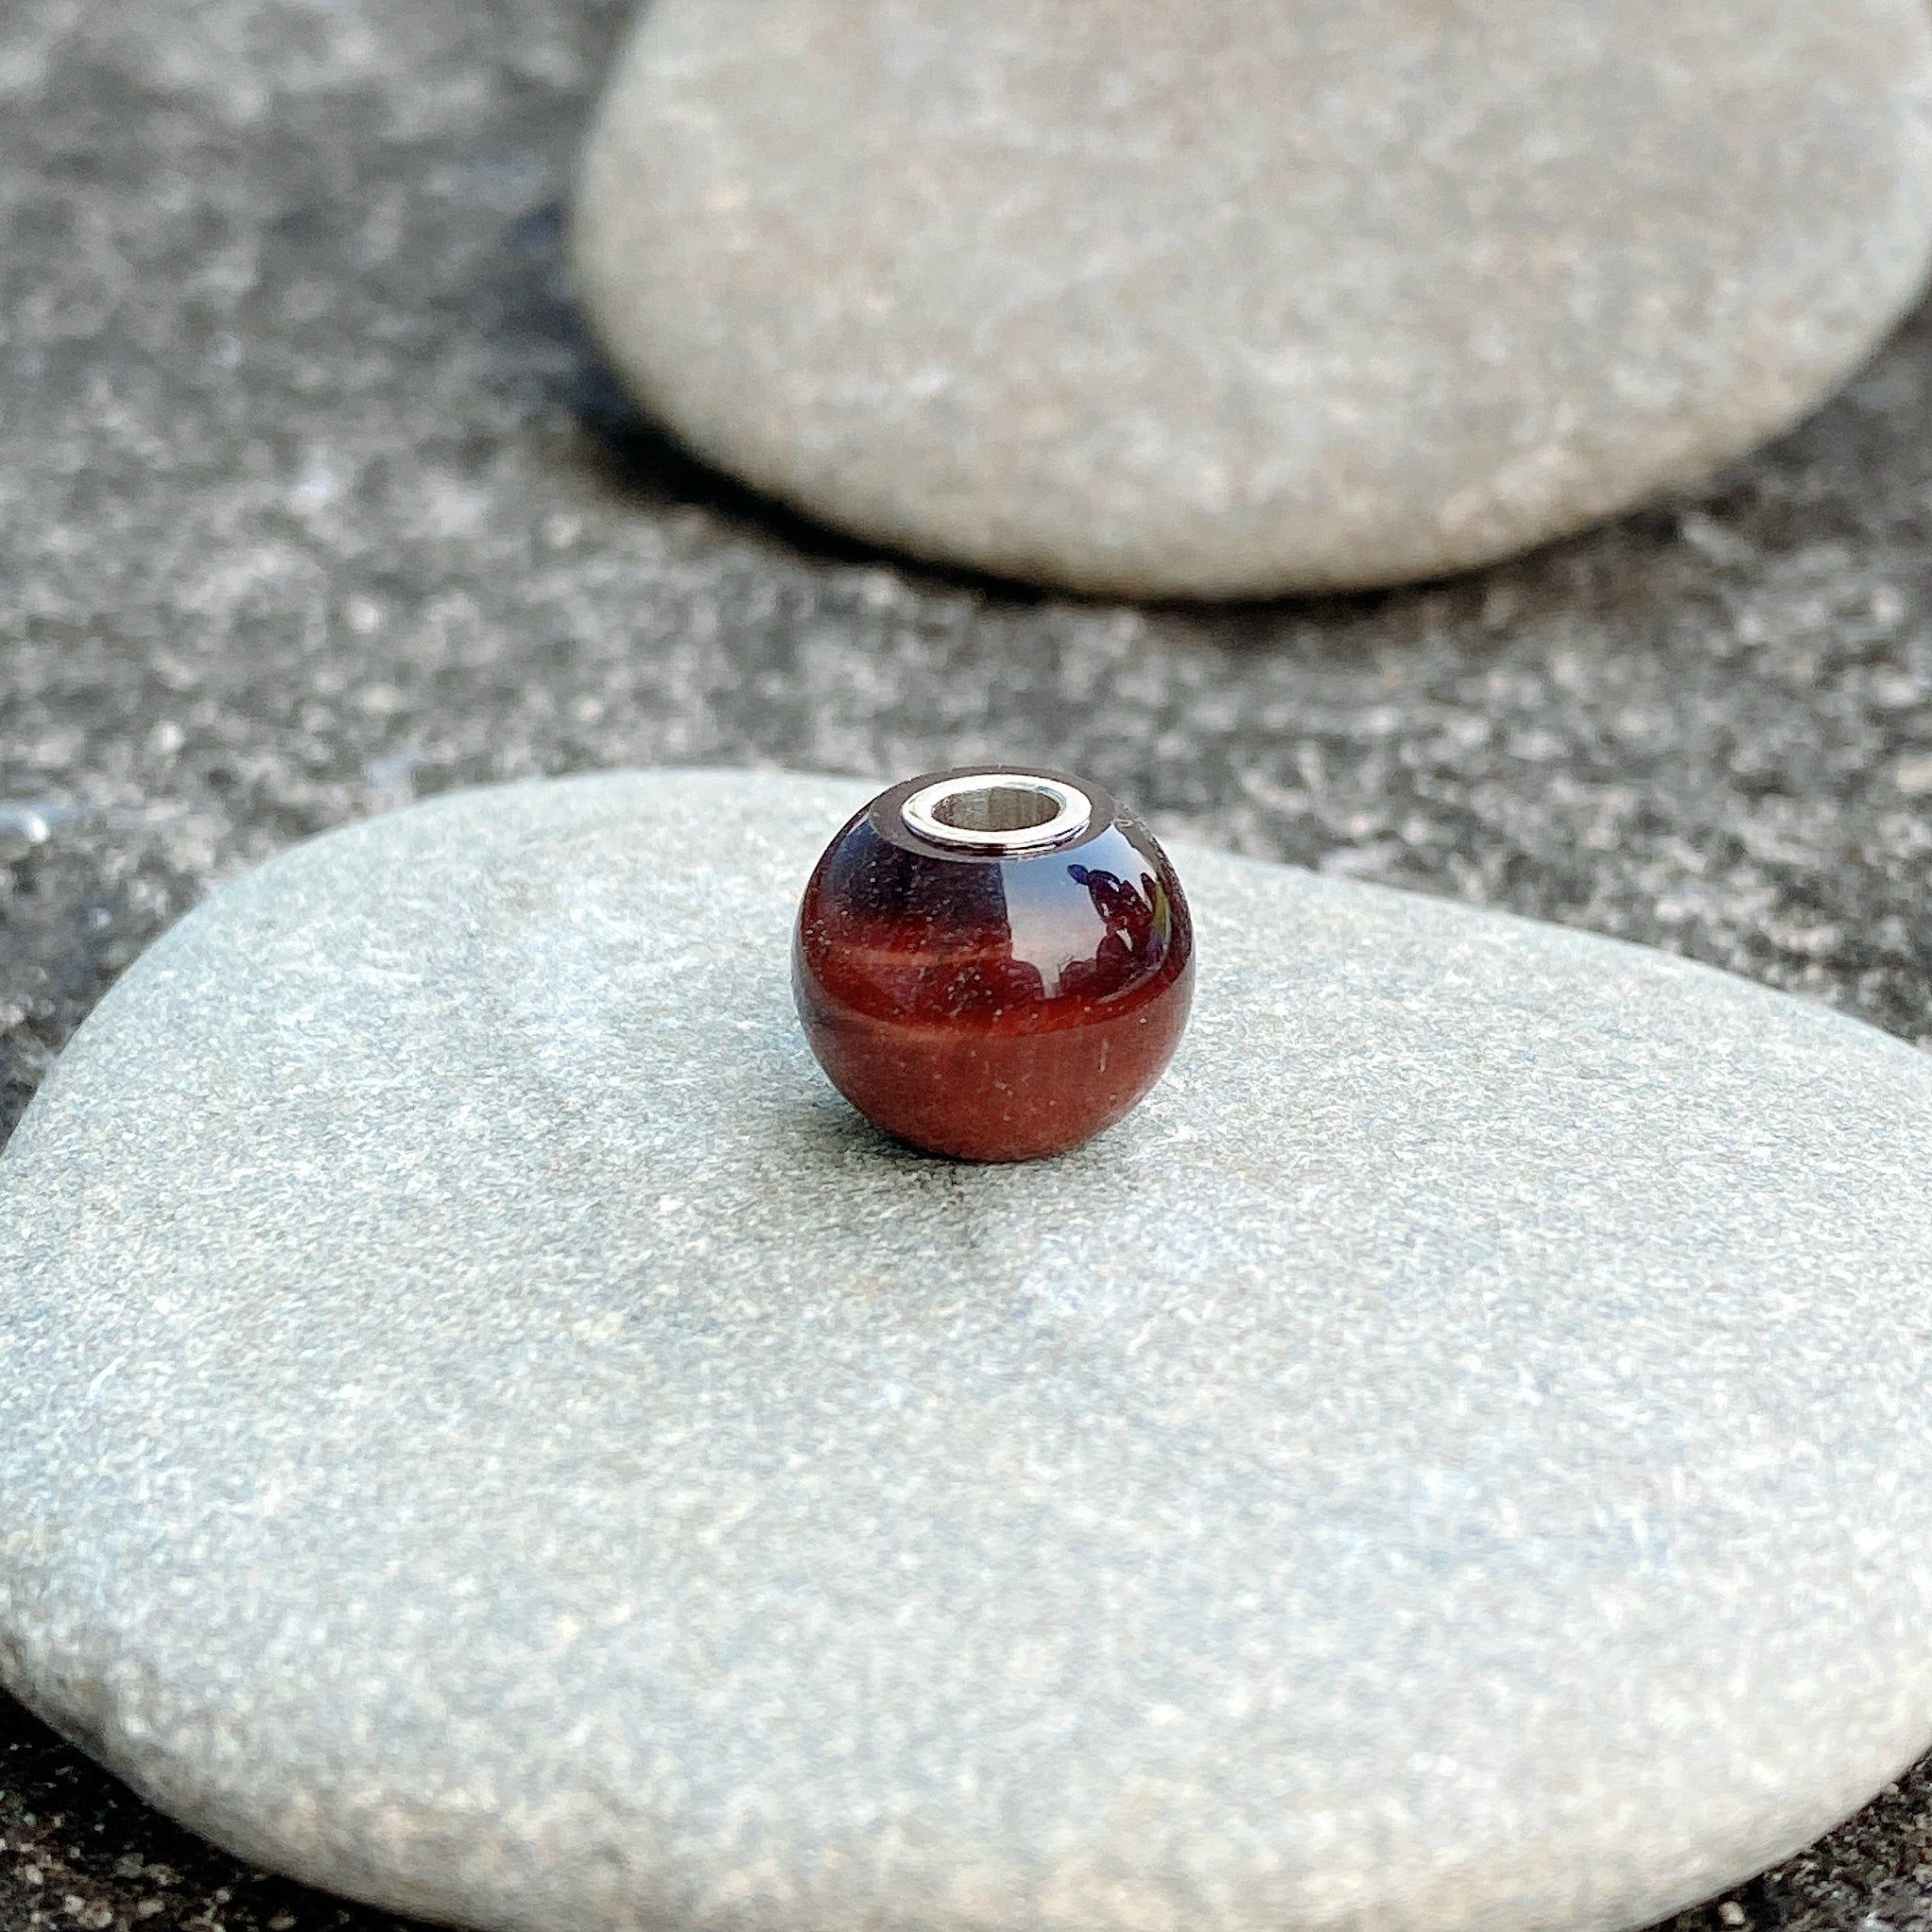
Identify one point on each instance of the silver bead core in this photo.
(999, 812)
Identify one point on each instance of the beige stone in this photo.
(1212, 297)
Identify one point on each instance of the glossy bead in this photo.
(993, 964)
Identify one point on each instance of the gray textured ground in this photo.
(309, 503)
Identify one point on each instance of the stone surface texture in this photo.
(486, 1429)
(1244, 296)
(310, 501)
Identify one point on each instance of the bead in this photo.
(993, 964)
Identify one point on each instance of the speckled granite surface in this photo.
(309, 503)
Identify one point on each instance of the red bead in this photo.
(993, 965)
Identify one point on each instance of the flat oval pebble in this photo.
(1234, 297)
(484, 1427)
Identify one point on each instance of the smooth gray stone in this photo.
(1233, 297)
(482, 1426)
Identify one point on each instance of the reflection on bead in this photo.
(993, 964)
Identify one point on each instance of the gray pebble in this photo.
(1234, 297)
(484, 1428)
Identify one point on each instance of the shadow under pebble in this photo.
(315, 501)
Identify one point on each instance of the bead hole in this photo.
(1006, 813)
(997, 809)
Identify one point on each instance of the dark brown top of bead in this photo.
(897, 924)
